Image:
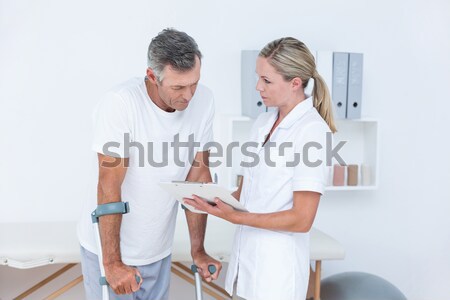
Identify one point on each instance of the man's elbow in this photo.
(302, 227)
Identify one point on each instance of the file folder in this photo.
(251, 102)
(354, 96)
(340, 80)
(324, 66)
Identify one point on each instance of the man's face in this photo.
(177, 88)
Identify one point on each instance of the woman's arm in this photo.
(297, 219)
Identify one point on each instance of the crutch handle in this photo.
(111, 208)
(104, 282)
(211, 268)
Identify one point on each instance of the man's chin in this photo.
(182, 107)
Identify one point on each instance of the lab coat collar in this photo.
(297, 112)
(265, 128)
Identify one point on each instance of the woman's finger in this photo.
(220, 204)
(190, 202)
(195, 204)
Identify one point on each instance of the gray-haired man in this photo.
(133, 125)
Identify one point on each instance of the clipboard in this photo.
(208, 191)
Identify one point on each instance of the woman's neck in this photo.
(284, 110)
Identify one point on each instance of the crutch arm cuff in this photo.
(110, 209)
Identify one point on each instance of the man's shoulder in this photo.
(127, 88)
(122, 96)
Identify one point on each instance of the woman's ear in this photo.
(297, 83)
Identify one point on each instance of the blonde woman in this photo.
(270, 257)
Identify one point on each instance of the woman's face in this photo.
(274, 90)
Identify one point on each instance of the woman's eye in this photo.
(266, 81)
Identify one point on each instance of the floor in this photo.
(14, 282)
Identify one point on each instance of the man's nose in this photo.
(187, 95)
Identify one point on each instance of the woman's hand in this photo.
(219, 208)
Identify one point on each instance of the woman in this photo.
(270, 257)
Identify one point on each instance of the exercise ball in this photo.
(358, 286)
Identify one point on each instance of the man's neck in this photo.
(152, 91)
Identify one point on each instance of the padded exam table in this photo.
(30, 245)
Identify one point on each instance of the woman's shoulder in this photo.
(313, 120)
(312, 128)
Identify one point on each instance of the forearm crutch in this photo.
(198, 280)
(103, 210)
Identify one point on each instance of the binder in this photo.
(366, 178)
(339, 175)
(251, 102)
(340, 80)
(352, 175)
(354, 97)
(324, 66)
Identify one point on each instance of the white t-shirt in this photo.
(271, 264)
(147, 231)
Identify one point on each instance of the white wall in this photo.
(58, 57)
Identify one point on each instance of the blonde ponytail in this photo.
(291, 58)
(322, 101)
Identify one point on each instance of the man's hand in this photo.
(122, 278)
(202, 261)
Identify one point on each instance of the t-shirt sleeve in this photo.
(207, 134)
(111, 126)
(311, 173)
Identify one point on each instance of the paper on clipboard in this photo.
(208, 191)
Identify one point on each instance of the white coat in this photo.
(267, 264)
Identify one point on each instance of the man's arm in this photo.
(120, 277)
(199, 172)
(237, 193)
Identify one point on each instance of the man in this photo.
(136, 127)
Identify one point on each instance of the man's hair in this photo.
(174, 48)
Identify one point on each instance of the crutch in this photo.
(102, 210)
(198, 280)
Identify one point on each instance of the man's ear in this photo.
(297, 83)
(151, 76)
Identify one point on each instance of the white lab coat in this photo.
(272, 265)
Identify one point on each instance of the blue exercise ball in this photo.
(358, 286)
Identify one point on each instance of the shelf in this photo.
(361, 148)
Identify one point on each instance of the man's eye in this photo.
(266, 81)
